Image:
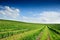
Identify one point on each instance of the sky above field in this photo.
(35, 11)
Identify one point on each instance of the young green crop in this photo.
(14, 30)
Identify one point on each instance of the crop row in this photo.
(29, 35)
(10, 33)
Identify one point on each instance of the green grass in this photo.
(14, 30)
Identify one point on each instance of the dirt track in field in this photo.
(40, 35)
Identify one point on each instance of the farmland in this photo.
(14, 30)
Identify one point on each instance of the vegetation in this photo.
(14, 30)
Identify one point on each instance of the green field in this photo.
(14, 30)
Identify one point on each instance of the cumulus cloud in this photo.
(9, 12)
(44, 17)
(50, 17)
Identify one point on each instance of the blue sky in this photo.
(34, 11)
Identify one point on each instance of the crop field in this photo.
(14, 30)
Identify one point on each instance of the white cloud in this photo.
(44, 17)
(9, 12)
(50, 16)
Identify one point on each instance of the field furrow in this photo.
(14, 30)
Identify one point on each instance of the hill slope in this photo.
(14, 30)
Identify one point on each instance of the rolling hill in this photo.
(15, 30)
